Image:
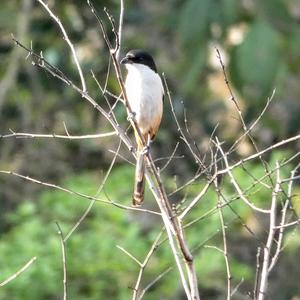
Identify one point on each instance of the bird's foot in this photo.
(131, 116)
(145, 150)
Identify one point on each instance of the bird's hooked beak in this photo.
(125, 60)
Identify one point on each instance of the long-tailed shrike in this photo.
(145, 93)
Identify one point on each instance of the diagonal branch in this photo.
(72, 192)
(70, 44)
(236, 185)
(15, 275)
(136, 295)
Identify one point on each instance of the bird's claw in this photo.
(145, 150)
(131, 116)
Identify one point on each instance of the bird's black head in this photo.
(138, 56)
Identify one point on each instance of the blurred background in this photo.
(259, 42)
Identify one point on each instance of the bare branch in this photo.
(130, 255)
(235, 290)
(135, 295)
(233, 99)
(63, 252)
(197, 198)
(254, 123)
(240, 162)
(236, 185)
(280, 237)
(289, 196)
(86, 212)
(66, 38)
(120, 31)
(264, 276)
(170, 158)
(223, 229)
(15, 275)
(182, 135)
(72, 192)
(257, 272)
(154, 281)
(57, 136)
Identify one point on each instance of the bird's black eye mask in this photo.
(142, 59)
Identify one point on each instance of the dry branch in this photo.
(63, 253)
(72, 192)
(264, 275)
(15, 275)
(57, 136)
(70, 44)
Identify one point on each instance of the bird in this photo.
(145, 93)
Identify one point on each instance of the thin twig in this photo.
(236, 185)
(282, 222)
(240, 162)
(15, 275)
(72, 192)
(182, 135)
(103, 91)
(170, 158)
(225, 254)
(223, 229)
(54, 71)
(280, 237)
(236, 288)
(154, 281)
(66, 38)
(264, 276)
(120, 30)
(257, 272)
(233, 99)
(245, 191)
(250, 128)
(57, 136)
(290, 179)
(63, 252)
(197, 198)
(130, 255)
(91, 204)
(297, 222)
(135, 295)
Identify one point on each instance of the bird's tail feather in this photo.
(139, 181)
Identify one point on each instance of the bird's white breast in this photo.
(145, 94)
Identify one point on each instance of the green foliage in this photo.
(254, 67)
(194, 22)
(96, 268)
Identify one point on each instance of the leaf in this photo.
(191, 80)
(255, 62)
(230, 11)
(276, 12)
(194, 22)
(293, 48)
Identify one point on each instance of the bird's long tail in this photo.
(139, 181)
